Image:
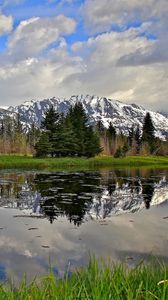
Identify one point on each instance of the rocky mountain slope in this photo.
(122, 115)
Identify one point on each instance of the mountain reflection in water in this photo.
(81, 196)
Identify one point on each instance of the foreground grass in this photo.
(24, 162)
(107, 282)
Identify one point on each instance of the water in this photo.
(60, 218)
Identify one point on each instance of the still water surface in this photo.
(62, 217)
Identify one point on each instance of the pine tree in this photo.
(118, 153)
(86, 139)
(43, 146)
(111, 132)
(125, 149)
(138, 139)
(111, 139)
(79, 121)
(70, 141)
(100, 127)
(50, 137)
(50, 120)
(67, 136)
(50, 125)
(92, 143)
(148, 132)
(148, 129)
(64, 140)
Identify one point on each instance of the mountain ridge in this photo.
(122, 115)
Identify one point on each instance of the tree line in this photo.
(72, 135)
(139, 141)
(13, 138)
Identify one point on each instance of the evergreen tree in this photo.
(50, 137)
(67, 136)
(92, 143)
(100, 127)
(79, 121)
(85, 137)
(70, 141)
(50, 126)
(50, 120)
(118, 153)
(148, 129)
(148, 132)
(121, 151)
(125, 149)
(111, 132)
(110, 139)
(64, 140)
(43, 146)
(138, 139)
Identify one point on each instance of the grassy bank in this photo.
(24, 162)
(94, 283)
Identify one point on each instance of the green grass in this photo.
(29, 163)
(97, 282)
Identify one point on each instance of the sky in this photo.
(111, 48)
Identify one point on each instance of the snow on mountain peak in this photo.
(123, 116)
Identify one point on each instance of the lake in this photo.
(58, 219)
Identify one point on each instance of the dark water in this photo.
(64, 216)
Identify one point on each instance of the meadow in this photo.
(30, 163)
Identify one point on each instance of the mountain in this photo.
(165, 114)
(123, 116)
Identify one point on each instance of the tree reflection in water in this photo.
(148, 191)
(69, 195)
(79, 196)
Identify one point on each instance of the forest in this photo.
(72, 135)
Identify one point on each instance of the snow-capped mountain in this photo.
(122, 115)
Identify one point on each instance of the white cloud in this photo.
(124, 65)
(37, 78)
(110, 47)
(36, 34)
(6, 24)
(144, 84)
(92, 68)
(100, 15)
